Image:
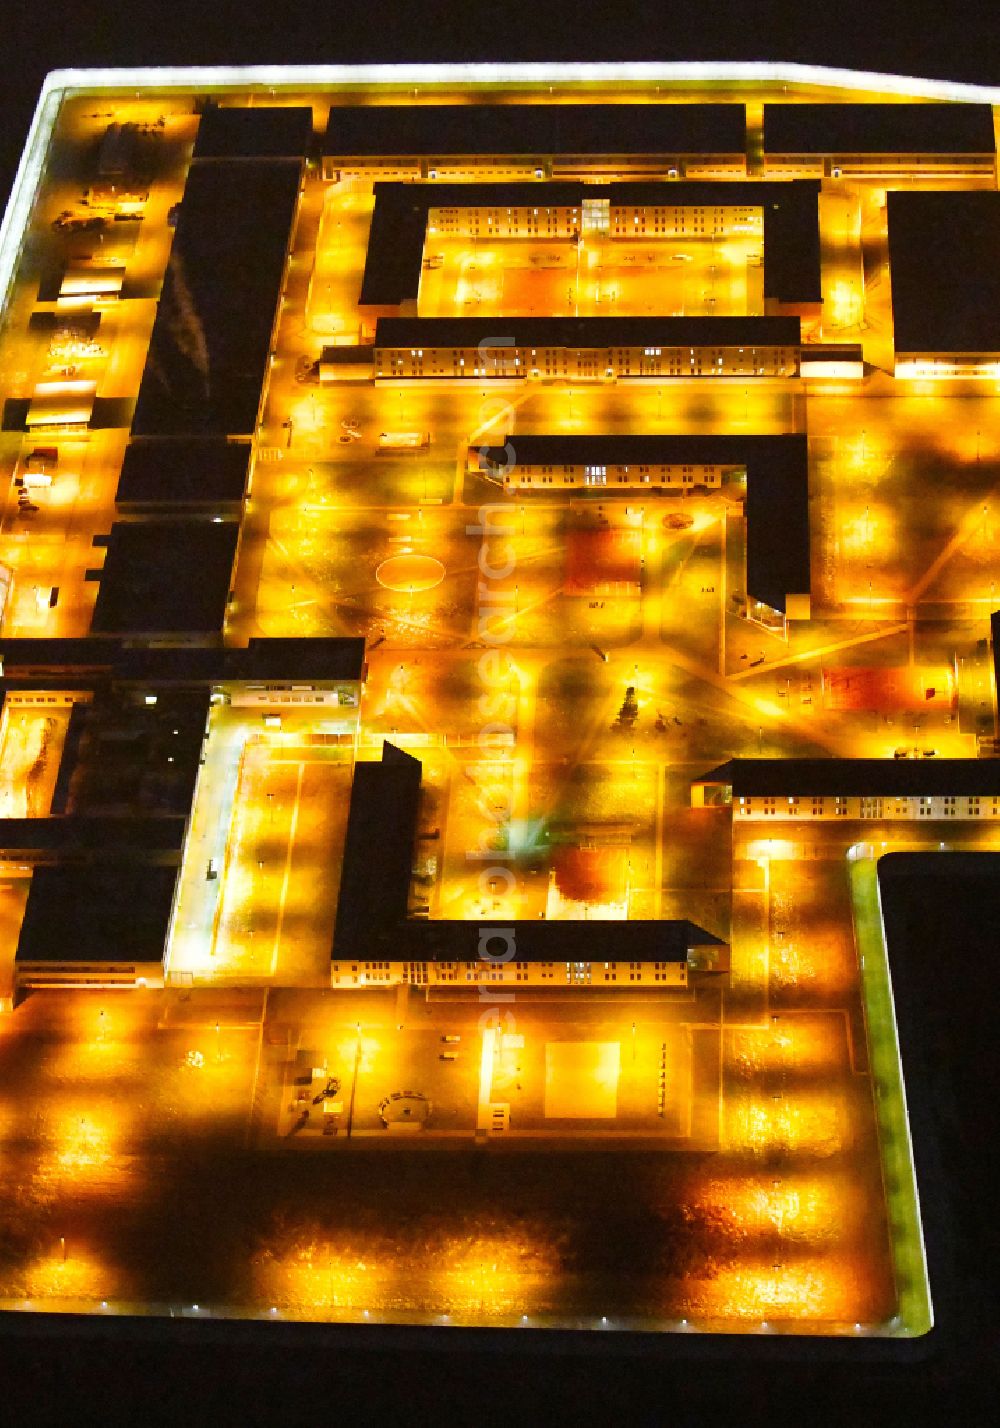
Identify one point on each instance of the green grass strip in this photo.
(915, 1315)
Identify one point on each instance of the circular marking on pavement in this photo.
(410, 573)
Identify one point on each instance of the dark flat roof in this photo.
(322, 657)
(166, 577)
(122, 756)
(399, 224)
(107, 912)
(931, 903)
(625, 448)
(859, 777)
(878, 129)
(50, 322)
(430, 130)
(995, 642)
(791, 243)
(15, 413)
(270, 132)
(209, 348)
(184, 471)
(586, 332)
(378, 850)
(83, 834)
(395, 244)
(22, 655)
(944, 270)
(777, 516)
(542, 941)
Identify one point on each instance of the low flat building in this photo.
(779, 789)
(272, 672)
(88, 837)
(944, 270)
(535, 139)
(184, 476)
(275, 131)
(100, 924)
(377, 942)
(878, 139)
(132, 754)
(776, 471)
(440, 954)
(832, 362)
(783, 217)
(620, 461)
(168, 577)
(213, 333)
(995, 648)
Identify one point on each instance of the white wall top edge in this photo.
(647, 72)
(304, 77)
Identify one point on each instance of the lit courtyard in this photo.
(247, 1137)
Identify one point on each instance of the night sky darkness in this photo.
(66, 1375)
(945, 40)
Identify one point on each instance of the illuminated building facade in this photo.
(854, 788)
(588, 349)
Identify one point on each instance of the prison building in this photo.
(103, 856)
(97, 924)
(516, 140)
(99, 900)
(166, 577)
(555, 954)
(878, 141)
(613, 461)
(945, 283)
(271, 673)
(626, 975)
(995, 651)
(770, 472)
(586, 348)
(626, 463)
(378, 942)
(551, 210)
(409, 217)
(269, 131)
(378, 848)
(184, 476)
(773, 790)
(223, 280)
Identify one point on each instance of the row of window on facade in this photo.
(651, 361)
(665, 218)
(486, 968)
(621, 354)
(623, 476)
(950, 806)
